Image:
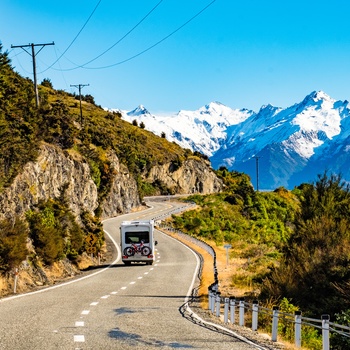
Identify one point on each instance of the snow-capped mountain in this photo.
(275, 146)
(203, 130)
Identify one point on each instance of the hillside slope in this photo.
(61, 173)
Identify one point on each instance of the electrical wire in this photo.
(147, 49)
(75, 38)
(111, 47)
(131, 30)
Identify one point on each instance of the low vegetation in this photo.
(49, 232)
(291, 247)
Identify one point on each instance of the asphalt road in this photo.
(115, 307)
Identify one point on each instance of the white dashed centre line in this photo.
(146, 273)
(94, 303)
(79, 338)
(123, 288)
(113, 293)
(79, 324)
(85, 312)
(105, 297)
(139, 278)
(132, 282)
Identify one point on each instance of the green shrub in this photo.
(13, 243)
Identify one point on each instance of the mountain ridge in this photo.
(291, 143)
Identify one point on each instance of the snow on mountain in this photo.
(289, 145)
(285, 140)
(202, 130)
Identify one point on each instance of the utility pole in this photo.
(79, 86)
(257, 172)
(33, 54)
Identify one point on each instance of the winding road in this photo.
(116, 306)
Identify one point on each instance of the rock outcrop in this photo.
(56, 171)
(193, 176)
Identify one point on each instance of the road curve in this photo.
(116, 307)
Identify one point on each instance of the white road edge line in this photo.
(70, 282)
(198, 317)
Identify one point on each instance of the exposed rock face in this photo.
(56, 170)
(194, 176)
(123, 195)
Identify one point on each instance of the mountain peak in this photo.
(140, 110)
(316, 96)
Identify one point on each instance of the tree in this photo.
(163, 135)
(13, 243)
(47, 83)
(134, 122)
(316, 257)
(142, 125)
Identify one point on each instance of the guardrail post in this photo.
(209, 298)
(227, 304)
(213, 298)
(255, 312)
(325, 332)
(297, 328)
(274, 323)
(232, 309)
(218, 299)
(241, 312)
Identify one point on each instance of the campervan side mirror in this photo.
(155, 242)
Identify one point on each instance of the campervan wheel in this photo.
(146, 251)
(129, 251)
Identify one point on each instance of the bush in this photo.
(13, 243)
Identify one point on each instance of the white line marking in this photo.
(113, 293)
(79, 338)
(85, 312)
(151, 269)
(123, 288)
(105, 297)
(70, 282)
(146, 273)
(132, 282)
(79, 324)
(139, 278)
(94, 303)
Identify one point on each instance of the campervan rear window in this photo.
(137, 237)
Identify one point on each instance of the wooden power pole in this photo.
(79, 87)
(33, 54)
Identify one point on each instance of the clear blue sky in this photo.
(241, 53)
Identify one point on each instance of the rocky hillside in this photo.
(61, 174)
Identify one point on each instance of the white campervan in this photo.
(137, 241)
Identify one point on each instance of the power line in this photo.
(122, 38)
(149, 48)
(157, 43)
(75, 38)
(33, 54)
(111, 47)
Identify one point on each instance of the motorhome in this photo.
(137, 242)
